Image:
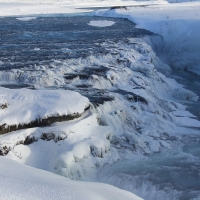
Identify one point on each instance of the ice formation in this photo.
(99, 23)
(178, 24)
(135, 110)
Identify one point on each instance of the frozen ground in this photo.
(135, 112)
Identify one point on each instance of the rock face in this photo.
(33, 108)
(3, 106)
(4, 128)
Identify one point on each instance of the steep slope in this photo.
(178, 24)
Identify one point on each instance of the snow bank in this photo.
(178, 24)
(61, 148)
(24, 106)
(22, 182)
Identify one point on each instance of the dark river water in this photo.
(25, 43)
(41, 41)
(169, 175)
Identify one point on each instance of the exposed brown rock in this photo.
(3, 106)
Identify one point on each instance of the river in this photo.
(29, 46)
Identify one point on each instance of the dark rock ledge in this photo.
(5, 148)
(5, 128)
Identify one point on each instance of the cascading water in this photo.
(151, 153)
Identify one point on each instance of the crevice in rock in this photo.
(130, 96)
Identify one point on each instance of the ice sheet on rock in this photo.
(23, 182)
(101, 23)
(25, 106)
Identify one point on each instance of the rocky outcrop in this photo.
(26, 108)
(39, 122)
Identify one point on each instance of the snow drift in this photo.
(22, 182)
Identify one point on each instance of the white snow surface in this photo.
(31, 7)
(23, 182)
(25, 106)
(177, 23)
(101, 23)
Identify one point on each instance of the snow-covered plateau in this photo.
(95, 98)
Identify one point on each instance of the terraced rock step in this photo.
(39, 122)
